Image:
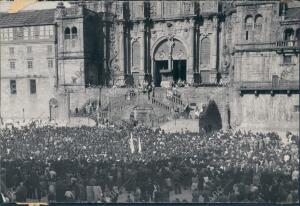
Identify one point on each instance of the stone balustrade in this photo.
(281, 85)
(293, 44)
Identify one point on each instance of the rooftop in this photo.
(27, 18)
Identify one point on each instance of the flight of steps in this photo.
(117, 108)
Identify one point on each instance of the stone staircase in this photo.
(117, 108)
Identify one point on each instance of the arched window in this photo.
(74, 33)
(205, 51)
(249, 22)
(289, 35)
(67, 33)
(258, 21)
(136, 54)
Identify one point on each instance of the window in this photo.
(12, 65)
(36, 32)
(74, 33)
(20, 31)
(205, 51)
(15, 33)
(29, 50)
(26, 33)
(29, 64)
(32, 86)
(296, 108)
(247, 35)
(67, 33)
(49, 49)
(51, 32)
(10, 34)
(2, 34)
(258, 22)
(50, 63)
(42, 32)
(31, 32)
(289, 35)
(13, 87)
(287, 59)
(11, 50)
(249, 22)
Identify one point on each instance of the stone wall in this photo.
(261, 66)
(273, 113)
(83, 96)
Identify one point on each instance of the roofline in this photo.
(27, 25)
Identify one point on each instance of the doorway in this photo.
(160, 66)
(179, 70)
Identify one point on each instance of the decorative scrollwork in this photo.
(116, 67)
(154, 35)
(153, 8)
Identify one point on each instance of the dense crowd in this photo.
(91, 164)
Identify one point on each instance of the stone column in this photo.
(142, 43)
(214, 47)
(121, 49)
(190, 60)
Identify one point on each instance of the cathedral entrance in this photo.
(169, 63)
(179, 70)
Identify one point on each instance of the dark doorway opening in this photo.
(159, 66)
(179, 70)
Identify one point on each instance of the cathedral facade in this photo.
(243, 55)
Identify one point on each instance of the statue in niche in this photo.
(226, 60)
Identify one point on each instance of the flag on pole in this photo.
(131, 145)
(140, 146)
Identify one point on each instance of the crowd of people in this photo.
(93, 164)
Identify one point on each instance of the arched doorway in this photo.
(169, 62)
(210, 119)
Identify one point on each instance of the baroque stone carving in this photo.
(154, 35)
(226, 60)
(116, 67)
(114, 52)
(187, 7)
(153, 8)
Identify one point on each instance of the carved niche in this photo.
(136, 53)
(114, 45)
(226, 62)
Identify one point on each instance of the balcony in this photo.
(281, 86)
(279, 46)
